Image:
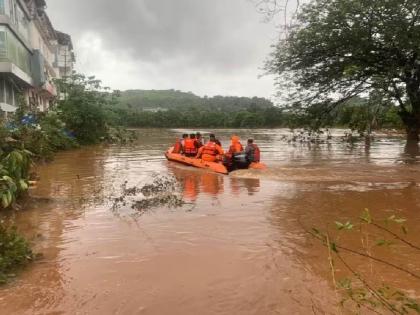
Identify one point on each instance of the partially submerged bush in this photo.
(14, 252)
(359, 292)
(43, 135)
(14, 175)
(120, 135)
(162, 192)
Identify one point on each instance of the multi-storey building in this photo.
(31, 55)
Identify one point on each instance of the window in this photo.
(2, 8)
(2, 90)
(12, 11)
(3, 48)
(9, 93)
(16, 52)
(21, 22)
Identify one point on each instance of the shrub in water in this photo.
(14, 252)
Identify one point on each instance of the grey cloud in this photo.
(213, 36)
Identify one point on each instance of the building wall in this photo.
(17, 16)
(30, 55)
(37, 42)
(12, 50)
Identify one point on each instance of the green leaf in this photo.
(4, 201)
(345, 226)
(339, 225)
(400, 220)
(384, 243)
(316, 231)
(345, 283)
(334, 247)
(366, 216)
(23, 185)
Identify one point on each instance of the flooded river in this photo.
(240, 244)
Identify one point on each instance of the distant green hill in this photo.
(153, 100)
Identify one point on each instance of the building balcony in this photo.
(14, 56)
(49, 89)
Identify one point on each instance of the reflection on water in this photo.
(195, 182)
(241, 249)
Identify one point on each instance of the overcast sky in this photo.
(209, 47)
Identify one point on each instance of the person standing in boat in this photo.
(211, 152)
(252, 151)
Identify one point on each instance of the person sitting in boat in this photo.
(235, 146)
(211, 152)
(177, 147)
(236, 158)
(252, 152)
(191, 146)
(199, 139)
(184, 137)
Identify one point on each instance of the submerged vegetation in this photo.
(359, 293)
(14, 252)
(164, 191)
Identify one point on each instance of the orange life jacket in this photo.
(210, 149)
(190, 147)
(177, 147)
(236, 148)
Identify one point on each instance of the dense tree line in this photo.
(172, 99)
(198, 117)
(360, 114)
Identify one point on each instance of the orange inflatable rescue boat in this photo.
(213, 166)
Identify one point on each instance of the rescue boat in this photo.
(213, 166)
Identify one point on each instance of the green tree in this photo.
(338, 49)
(86, 107)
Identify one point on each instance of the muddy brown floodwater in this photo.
(238, 247)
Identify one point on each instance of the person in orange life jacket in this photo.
(252, 151)
(210, 151)
(236, 146)
(215, 139)
(184, 137)
(177, 147)
(190, 146)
